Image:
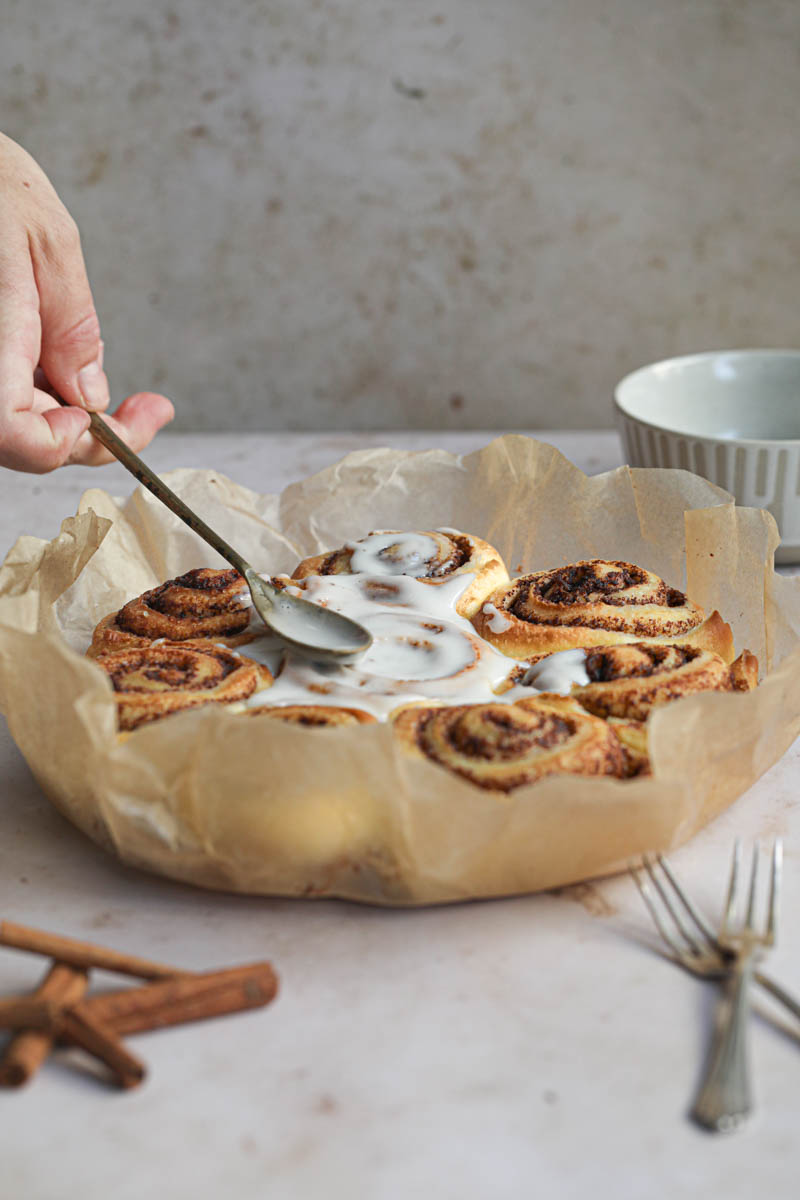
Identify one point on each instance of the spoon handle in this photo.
(151, 481)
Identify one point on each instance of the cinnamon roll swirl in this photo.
(154, 681)
(504, 746)
(626, 682)
(203, 603)
(595, 603)
(312, 716)
(630, 681)
(433, 557)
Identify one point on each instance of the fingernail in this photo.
(93, 386)
(101, 352)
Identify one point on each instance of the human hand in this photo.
(50, 341)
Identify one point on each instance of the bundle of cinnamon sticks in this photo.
(60, 1011)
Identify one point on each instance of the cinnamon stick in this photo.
(175, 1001)
(83, 954)
(28, 1012)
(93, 1036)
(62, 986)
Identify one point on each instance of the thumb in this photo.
(71, 353)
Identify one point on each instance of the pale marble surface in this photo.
(524, 1047)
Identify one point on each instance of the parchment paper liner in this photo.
(342, 813)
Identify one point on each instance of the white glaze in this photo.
(498, 622)
(366, 594)
(392, 554)
(557, 672)
(422, 649)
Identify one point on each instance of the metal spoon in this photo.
(311, 630)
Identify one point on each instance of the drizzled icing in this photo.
(392, 554)
(498, 622)
(406, 647)
(422, 650)
(557, 672)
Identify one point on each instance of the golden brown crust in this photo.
(505, 746)
(203, 603)
(744, 672)
(593, 603)
(453, 553)
(630, 681)
(154, 681)
(312, 716)
(712, 634)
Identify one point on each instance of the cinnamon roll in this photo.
(433, 557)
(203, 603)
(626, 682)
(630, 681)
(153, 681)
(504, 746)
(312, 716)
(595, 603)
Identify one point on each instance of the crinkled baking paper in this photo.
(261, 807)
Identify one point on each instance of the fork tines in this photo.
(694, 938)
(680, 937)
(727, 935)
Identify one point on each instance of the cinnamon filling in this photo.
(170, 671)
(335, 563)
(459, 557)
(607, 586)
(495, 734)
(204, 599)
(313, 718)
(606, 583)
(382, 591)
(636, 661)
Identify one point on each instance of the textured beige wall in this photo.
(455, 213)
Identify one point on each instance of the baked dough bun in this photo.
(203, 603)
(505, 746)
(595, 602)
(432, 557)
(630, 681)
(156, 680)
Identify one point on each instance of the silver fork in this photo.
(724, 1097)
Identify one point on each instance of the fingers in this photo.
(42, 279)
(71, 351)
(137, 421)
(28, 442)
(46, 435)
(38, 441)
(50, 341)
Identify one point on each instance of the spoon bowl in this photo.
(335, 638)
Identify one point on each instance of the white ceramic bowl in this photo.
(732, 416)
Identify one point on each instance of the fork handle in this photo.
(724, 1099)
